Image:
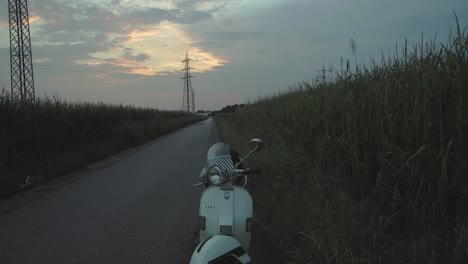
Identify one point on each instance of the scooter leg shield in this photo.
(226, 211)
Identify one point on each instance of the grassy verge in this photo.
(369, 166)
(50, 137)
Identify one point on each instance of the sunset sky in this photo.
(130, 51)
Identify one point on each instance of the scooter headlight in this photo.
(215, 175)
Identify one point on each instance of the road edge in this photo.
(23, 199)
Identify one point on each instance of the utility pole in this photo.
(21, 64)
(188, 98)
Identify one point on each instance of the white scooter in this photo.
(226, 210)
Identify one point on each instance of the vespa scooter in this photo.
(226, 209)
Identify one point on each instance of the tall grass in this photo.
(370, 166)
(51, 136)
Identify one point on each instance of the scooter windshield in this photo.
(218, 155)
(218, 150)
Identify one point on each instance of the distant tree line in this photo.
(228, 109)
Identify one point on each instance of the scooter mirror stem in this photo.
(198, 184)
(252, 151)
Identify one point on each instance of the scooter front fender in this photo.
(219, 249)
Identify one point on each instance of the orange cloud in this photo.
(90, 62)
(33, 18)
(140, 35)
(124, 66)
(146, 70)
(163, 46)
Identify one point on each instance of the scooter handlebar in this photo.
(253, 172)
(238, 173)
(247, 171)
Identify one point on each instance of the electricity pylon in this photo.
(21, 64)
(188, 98)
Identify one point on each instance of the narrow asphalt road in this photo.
(140, 209)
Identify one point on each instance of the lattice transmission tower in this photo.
(21, 64)
(188, 98)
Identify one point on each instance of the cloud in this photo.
(129, 37)
(223, 39)
(131, 50)
(140, 57)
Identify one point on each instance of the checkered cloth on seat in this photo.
(223, 162)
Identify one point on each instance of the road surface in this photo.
(140, 209)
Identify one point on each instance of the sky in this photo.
(130, 51)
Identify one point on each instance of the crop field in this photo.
(369, 165)
(50, 136)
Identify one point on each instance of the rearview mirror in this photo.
(256, 144)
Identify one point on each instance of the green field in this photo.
(50, 137)
(368, 166)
